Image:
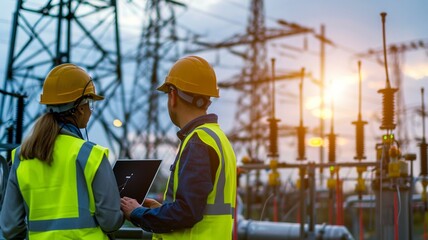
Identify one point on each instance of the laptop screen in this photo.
(135, 177)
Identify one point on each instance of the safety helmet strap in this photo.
(197, 100)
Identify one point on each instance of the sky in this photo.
(353, 26)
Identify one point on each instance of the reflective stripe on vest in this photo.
(84, 220)
(218, 207)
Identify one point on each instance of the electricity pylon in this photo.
(253, 82)
(47, 33)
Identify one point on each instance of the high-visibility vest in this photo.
(59, 201)
(217, 221)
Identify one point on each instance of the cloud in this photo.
(416, 71)
(203, 5)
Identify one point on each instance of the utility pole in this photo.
(322, 107)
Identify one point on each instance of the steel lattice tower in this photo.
(253, 102)
(45, 34)
(145, 114)
(251, 134)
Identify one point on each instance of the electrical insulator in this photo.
(301, 151)
(424, 160)
(423, 144)
(388, 112)
(332, 148)
(273, 148)
(359, 136)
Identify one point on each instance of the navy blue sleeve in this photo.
(195, 184)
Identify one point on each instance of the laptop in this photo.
(135, 177)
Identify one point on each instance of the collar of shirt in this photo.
(190, 126)
(70, 128)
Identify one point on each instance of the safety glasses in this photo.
(90, 102)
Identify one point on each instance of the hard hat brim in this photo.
(96, 97)
(163, 88)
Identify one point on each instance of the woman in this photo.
(61, 186)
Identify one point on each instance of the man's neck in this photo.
(187, 117)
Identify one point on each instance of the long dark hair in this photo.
(40, 143)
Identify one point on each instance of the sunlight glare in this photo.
(315, 142)
(117, 123)
(326, 114)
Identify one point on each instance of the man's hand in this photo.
(151, 203)
(127, 205)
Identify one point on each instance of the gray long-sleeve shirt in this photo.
(106, 195)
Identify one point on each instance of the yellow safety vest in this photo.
(217, 221)
(59, 201)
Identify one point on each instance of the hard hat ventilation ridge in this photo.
(62, 108)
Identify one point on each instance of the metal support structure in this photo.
(259, 230)
(252, 84)
(302, 201)
(84, 33)
(14, 131)
(144, 113)
(307, 189)
(392, 193)
(253, 105)
(322, 91)
(312, 201)
(396, 53)
(261, 166)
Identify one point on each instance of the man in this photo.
(200, 195)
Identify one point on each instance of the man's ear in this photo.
(173, 98)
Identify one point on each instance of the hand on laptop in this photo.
(127, 205)
(151, 203)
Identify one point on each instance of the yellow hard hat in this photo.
(66, 83)
(192, 74)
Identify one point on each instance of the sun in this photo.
(336, 91)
